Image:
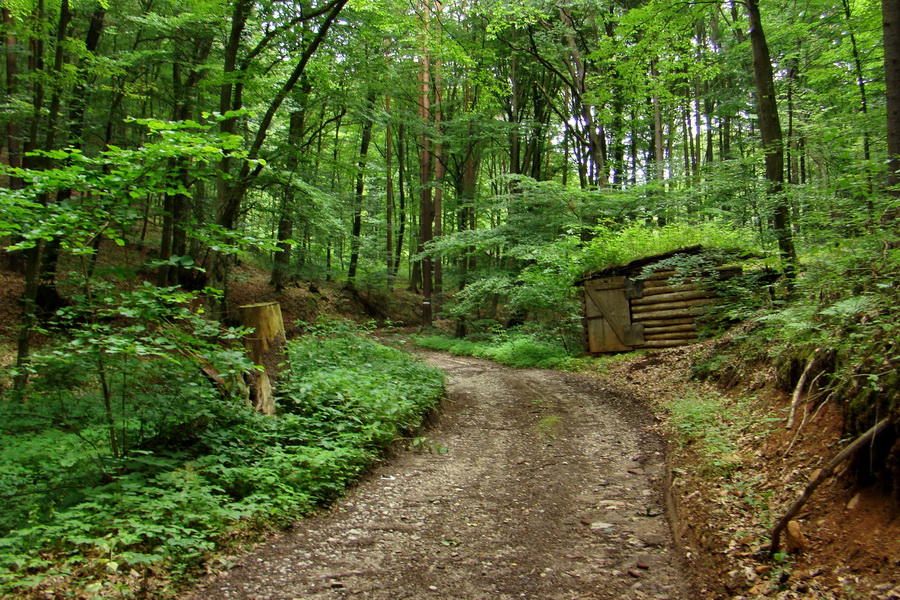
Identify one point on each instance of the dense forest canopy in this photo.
(487, 149)
(356, 133)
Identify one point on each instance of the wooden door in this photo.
(608, 316)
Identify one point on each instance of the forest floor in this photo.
(722, 505)
(526, 484)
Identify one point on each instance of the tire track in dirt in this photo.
(550, 489)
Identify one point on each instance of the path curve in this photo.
(550, 489)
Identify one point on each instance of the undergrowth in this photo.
(192, 471)
(843, 314)
(717, 428)
(513, 349)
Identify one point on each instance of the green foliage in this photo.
(847, 306)
(376, 394)
(619, 245)
(191, 466)
(519, 350)
(716, 426)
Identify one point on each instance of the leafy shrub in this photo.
(192, 466)
(846, 306)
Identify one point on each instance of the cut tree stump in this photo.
(264, 347)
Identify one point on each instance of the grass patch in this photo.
(549, 427)
(515, 350)
(717, 428)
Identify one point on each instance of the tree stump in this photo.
(263, 346)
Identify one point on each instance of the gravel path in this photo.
(550, 488)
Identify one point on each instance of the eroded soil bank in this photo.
(529, 484)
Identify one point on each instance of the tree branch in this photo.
(820, 477)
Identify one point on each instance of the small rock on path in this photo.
(550, 489)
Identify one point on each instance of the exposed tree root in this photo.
(820, 476)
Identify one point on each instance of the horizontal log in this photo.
(680, 319)
(605, 283)
(664, 281)
(660, 278)
(664, 288)
(666, 343)
(681, 335)
(672, 297)
(650, 330)
(665, 314)
(684, 304)
(658, 275)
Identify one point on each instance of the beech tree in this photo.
(772, 141)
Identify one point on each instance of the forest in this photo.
(480, 154)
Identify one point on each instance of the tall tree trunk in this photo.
(439, 171)
(863, 100)
(13, 128)
(595, 132)
(770, 130)
(793, 170)
(389, 192)
(35, 258)
(426, 205)
(355, 236)
(231, 187)
(890, 12)
(466, 194)
(176, 208)
(401, 185)
(658, 158)
(296, 127)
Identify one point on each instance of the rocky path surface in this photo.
(550, 488)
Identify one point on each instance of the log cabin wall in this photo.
(624, 309)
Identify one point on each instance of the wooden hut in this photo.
(647, 303)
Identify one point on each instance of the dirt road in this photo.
(550, 488)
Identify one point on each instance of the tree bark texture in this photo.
(264, 347)
(890, 13)
(772, 142)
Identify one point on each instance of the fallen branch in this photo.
(820, 476)
(798, 391)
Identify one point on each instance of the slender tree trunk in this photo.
(296, 127)
(401, 185)
(426, 204)
(35, 258)
(389, 192)
(792, 167)
(890, 12)
(439, 172)
(282, 263)
(658, 158)
(355, 236)
(29, 316)
(595, 132)
(232, 186)
(466, 194)
(13, 128)
(773, 146)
